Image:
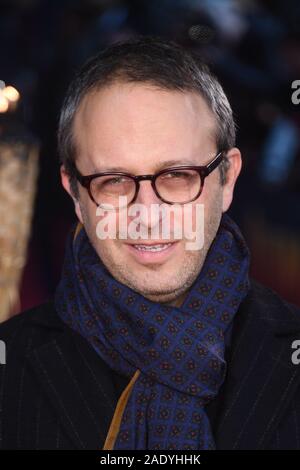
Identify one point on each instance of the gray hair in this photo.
(152, 60)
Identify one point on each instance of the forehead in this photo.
(126, 123)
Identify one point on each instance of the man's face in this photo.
(138, 128)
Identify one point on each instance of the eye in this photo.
(176, 174)
(114, 181)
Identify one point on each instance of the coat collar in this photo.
(261, 378)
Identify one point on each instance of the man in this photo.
(148, 344)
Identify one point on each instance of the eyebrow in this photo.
(159, 166)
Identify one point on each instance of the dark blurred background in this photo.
(252, 46)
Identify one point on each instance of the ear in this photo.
(65, 181)
(235, 165)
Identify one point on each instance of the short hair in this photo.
(145, 59)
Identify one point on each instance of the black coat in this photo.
(57, 393)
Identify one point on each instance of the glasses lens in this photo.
(178, 185)
(107, 190)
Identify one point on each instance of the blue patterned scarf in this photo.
(177, 351)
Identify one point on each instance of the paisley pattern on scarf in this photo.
(179, 351)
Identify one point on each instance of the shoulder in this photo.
(31, 328)
(266, 302)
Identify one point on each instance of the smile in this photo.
(152, 252)
(160, 247)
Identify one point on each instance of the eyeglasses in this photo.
(180, 184)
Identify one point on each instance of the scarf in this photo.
(178, 352)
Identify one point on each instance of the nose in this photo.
(147, 197)
(146, 194)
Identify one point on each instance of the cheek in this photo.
(90, 219)
(212, 195)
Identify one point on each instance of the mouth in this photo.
(151, 252)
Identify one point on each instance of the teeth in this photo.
(153, 247)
